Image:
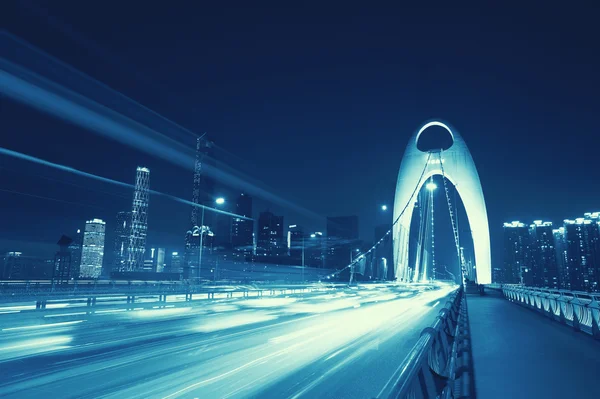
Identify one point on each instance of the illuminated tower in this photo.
(543, 260)
(517, 254)
(122, 237)
(92, 253)
(203, 185)
(139, 220)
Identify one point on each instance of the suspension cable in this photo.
(454, 228)
(362, 254)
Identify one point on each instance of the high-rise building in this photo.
(92, 253)
(17, 266)
(122, 238)
(270, 235)
(314, 250)
(75, 248)
(582, 239)
(342, 240)
(139, 220)
(62, 261)
(155, 263)
(543, 263)
(242, 229)
(296, 244)
(560, 249)
(517, 254)
(175, 265)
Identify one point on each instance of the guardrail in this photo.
(91, 300)
(27, 292)
(580, 310)
(439, 365)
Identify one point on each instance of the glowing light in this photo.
(514, 224)
(434, 123)
(41, 326)
(384, 207)
(220, 201)
(431, 186)
(218, 323)
(175, 253)
(44, 342)
(313, 235)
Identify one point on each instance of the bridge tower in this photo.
(456, 165)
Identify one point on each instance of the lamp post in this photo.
(218, 201)
(431, 186)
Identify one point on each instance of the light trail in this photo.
(43, 326)
(29, 158)
(46, 95)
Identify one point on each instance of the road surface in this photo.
(340, 344)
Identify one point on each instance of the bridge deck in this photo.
(518, 353)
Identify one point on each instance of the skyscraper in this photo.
(75, 249)
(139, 220)
(314, 249)
(175, 265)
(92, 252)
(342, 240)
(17, 266)
(582, 239)
(296, 244)
(122, 237)
(560, 249)
(270, 235)
(517, 254)
(543, 263)
(242, 229)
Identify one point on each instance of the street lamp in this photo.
(431, 186)
(218, 201)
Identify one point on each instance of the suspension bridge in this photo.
(427, 334)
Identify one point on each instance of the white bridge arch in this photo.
(460, 170)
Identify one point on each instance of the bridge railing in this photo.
(580, 310)
(439, 364)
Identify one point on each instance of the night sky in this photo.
(316, 101)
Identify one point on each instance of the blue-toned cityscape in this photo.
(287, 201)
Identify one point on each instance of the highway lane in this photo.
(338, 344)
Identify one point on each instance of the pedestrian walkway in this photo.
(518, 353)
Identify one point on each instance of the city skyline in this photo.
(340, 177)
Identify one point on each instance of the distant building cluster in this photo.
(541, 255)
(233, 234)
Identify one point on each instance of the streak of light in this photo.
(230, 321)
(29, 158)
(45, 342)
(56, 305)
(66, 314)
(328, 306)
(161, 312)
(22, 307)
(50, 199)
(43, 326)
(48, 96)
(110, 311)
(268, 302)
